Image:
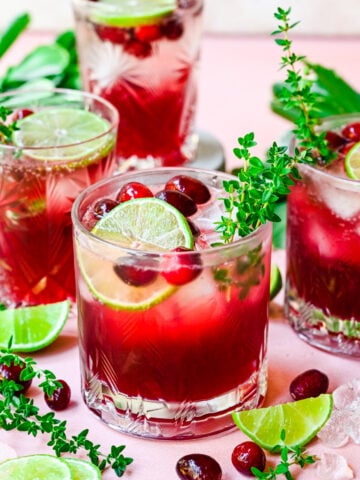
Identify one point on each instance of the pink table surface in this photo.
(235, 81)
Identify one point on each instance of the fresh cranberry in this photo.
(352, 131)
(22, 113)
(346, 148)
(195, 230)
(192, 187)
(137, 48)
(103, 206)
(135, 275)
(183, 268)
(60, 398)
(310, 383)
(247, 455)
(180, 201)
(132, 190)
(334, 140)
(13, 372)
(197, 466)
(112, 34)
(148, 33)
(172, 28)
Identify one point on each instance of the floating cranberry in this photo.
(310, 383)
(60, 398)
(172, 28)
(346, 148)
(197, 466)
(352, 131)
(181, 201)
(135, 275)
(195, 230)
(22, 113)
(112, 34)
(148, 33)
(334, 140)
(183, 268)
(103, 206)
(247, 455)
(192, 187)
(132, 190)
(137, 48)
(13, 372)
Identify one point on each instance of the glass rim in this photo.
(113, 124)
(261, 231)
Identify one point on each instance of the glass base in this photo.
(327, 332)
(172, 420)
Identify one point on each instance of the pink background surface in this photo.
(235, 90)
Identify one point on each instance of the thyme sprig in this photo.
(251, 199)
(19, 412)
(6, 129)
(289, 456)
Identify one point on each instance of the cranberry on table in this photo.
(352, 131)
(181, 269)
(13, 372)
(103, 206)
(135, 276)
(247, 455)
(180, 201)
(198, 466)
(310, 383)
(60, 398)
(132, 190)
(192, 187)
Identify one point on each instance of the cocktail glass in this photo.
(323, 253)
(167, 360)
(143, 57)
(67, 144)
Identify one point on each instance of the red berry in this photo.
(352, 131)
(247, 455)
(310, 383)
(183, 268)
(132, 190)
(197, 466)
(172, 28)
(135, 275)
(148, 33)
(192, 187)
(346, 148)
(137, 48)
(60, 398)
(22, 113)
(334, 140)
(103, 206)
(13, 372)
(181, 201)
(195, 230)
(112, 34)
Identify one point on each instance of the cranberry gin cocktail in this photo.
(142, 56)
(323, 245)
(64, 141)
(172, 331)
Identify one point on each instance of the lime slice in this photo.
(352, 162)
(82, 470)
(144, 224)
(124, 14)
(53, 128)
(40, 467)
(301, 421)
(275, 281)
(32, 328)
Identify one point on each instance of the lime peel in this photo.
(275, 281)
(82, 469)
(35, 466)
(352, 162)
(300, 419)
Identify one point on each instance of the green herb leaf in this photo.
(12, 31)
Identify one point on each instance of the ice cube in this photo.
(347, 396)
(333, 466)
(353, 428)
(335, 431)
(344, 203)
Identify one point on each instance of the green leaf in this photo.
(279, 228)
(12, 31)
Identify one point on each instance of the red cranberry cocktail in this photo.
(64, 142)
(172, 325)
(142, 56)
(323, 246)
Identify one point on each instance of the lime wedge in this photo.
(352, 162)
(275, 281)
(301, 421)
(48, 131)
(32, 328)
(144, 224)
(82, 470)
(40, 467)
(124, 14)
